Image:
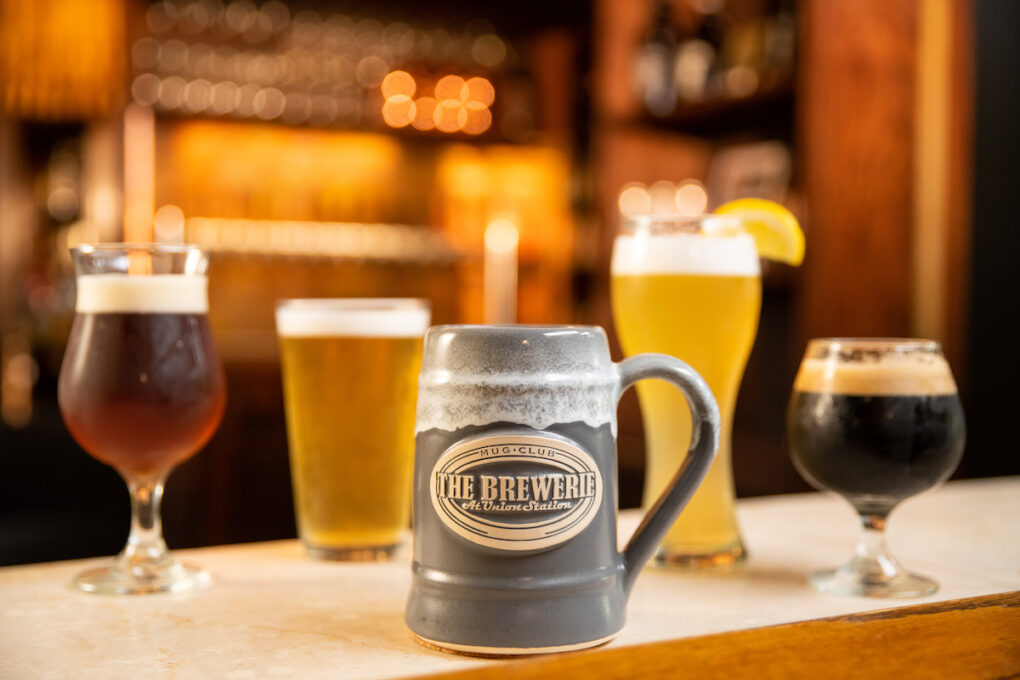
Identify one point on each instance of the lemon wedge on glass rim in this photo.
(775, 230)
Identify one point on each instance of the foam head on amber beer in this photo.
(350, 317)
(716, 248)
(152, 294)
(537, 377)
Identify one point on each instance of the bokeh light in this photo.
(450, 115)
(478, 118)
(424, 118)
(502, 235)
(224, 97)
(424, 113)
(691, 198)
(479, 90)
(269, 103)
(398, 111)
(145, 88)
(168, 223)
(171, 92)
(197, 96)
(634, 200)
(398, 82)
(488, 50)
(450, 87)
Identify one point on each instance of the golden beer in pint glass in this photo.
(350, 374)
(689, 287)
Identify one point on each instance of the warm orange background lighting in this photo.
(450, 87)
(479, 90)
(450, 115)
(424, 118)
(458, 106)
(478, 118)
(61, 59)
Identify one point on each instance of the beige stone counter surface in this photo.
(274, 613)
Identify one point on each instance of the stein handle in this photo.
(700, 453)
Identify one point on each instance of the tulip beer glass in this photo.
(689, 287)
(141, 389)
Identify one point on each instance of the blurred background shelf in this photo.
(765, 113)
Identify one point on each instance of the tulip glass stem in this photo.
(145, 550)
(145, 565)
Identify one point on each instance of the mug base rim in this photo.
(506, 652)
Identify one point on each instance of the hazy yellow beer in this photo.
(690, 287)
(350, 371)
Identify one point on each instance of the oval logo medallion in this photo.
(516, 492)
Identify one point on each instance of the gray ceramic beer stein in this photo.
(515, 492)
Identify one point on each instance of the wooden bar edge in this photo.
(976, 637)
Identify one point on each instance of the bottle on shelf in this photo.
(697, 62)
(654, 62)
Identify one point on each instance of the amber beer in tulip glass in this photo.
(141, 389)
(350, 374)
(689, 287)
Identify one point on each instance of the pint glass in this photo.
(350, 371)
(689, 287)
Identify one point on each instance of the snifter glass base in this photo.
(848, 581)
(729, 558)
(120, 579)
(377, 553)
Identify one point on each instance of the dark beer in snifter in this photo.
(877, 429)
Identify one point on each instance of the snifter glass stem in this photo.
(145, 565)
(873, 571)
(872, 556)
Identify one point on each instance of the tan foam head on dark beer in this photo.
(890, 375)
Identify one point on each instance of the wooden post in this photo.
(857, 127)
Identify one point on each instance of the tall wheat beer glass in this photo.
(689, 287)
(350, 375)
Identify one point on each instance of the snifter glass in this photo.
(141, 389)
(876, 421)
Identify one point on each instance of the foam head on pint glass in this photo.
(689, 287)
(350, 370)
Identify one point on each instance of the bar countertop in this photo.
(273, 613)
